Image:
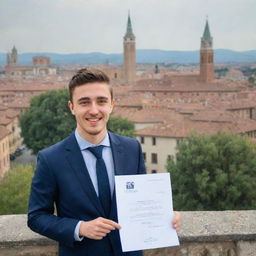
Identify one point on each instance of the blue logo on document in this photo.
(130, 185)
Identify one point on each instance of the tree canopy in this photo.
(14, 190)
(214, 173)
(121, 126)
(221, 72)
(48, 120)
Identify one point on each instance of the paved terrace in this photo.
(215, 233)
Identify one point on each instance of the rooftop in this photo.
(186, 128)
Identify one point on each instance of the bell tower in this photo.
(12, 58)
(129, 54)
(206, 56)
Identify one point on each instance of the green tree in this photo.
(214, 173)
(48, 120)
(121, 126)
(14, 190)
(251, 80)
(221, 72)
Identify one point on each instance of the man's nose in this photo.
(93, 109)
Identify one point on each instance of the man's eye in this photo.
(102, 101)
(84, 102)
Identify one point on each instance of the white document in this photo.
(145, 211)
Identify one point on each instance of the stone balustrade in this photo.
(209, 233)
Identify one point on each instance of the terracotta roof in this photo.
(131, 101)
(214, 116)
(244, 125)
(235, 104)
(4, 120)
(149, 115)
(29, 87)
(2, 108)
(195, 88)
(185, 128)
(161, 85)
(185, 107)
(7, 93)
(123, 112)
(10, 113)
(18, 103)
(121, 90)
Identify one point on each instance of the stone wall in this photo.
(221, 233)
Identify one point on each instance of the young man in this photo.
(77, 175)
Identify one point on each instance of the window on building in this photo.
(153, 140)
(250, 113)
(142, 140)
(154, 158)
(144, 156)
(154, 171)
(169, 157)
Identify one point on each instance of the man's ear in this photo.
(112, 105)
(71, 107)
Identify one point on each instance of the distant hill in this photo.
(143, 56)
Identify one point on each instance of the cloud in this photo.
(99, 25)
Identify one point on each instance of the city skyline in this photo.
(62, 25)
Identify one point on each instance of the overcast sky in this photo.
(82, 26)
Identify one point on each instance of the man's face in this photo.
(91, 105)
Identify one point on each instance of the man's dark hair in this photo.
(85, 76)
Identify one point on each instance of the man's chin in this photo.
(95, 132)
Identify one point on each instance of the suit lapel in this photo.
(75, 159)
(119, 162)
(118, 154)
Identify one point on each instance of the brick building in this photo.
(4, 151)
(9, 120)
(41, 66)
(206, 56)
(159, 142)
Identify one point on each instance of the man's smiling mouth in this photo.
(93, 121)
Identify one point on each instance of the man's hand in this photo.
(176, 221)
(98, 228)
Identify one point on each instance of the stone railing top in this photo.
(208, 226)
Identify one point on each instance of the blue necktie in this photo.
(102, 177)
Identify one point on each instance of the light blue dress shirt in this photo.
(90, 162)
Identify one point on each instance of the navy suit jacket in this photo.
(61, 180)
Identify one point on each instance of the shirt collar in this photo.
(84, 144)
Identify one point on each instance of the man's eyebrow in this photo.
(88, 98)
(102, 98)
(83, 98)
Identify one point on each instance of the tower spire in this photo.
(129, 54)
(207, 34)
(129, 32)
